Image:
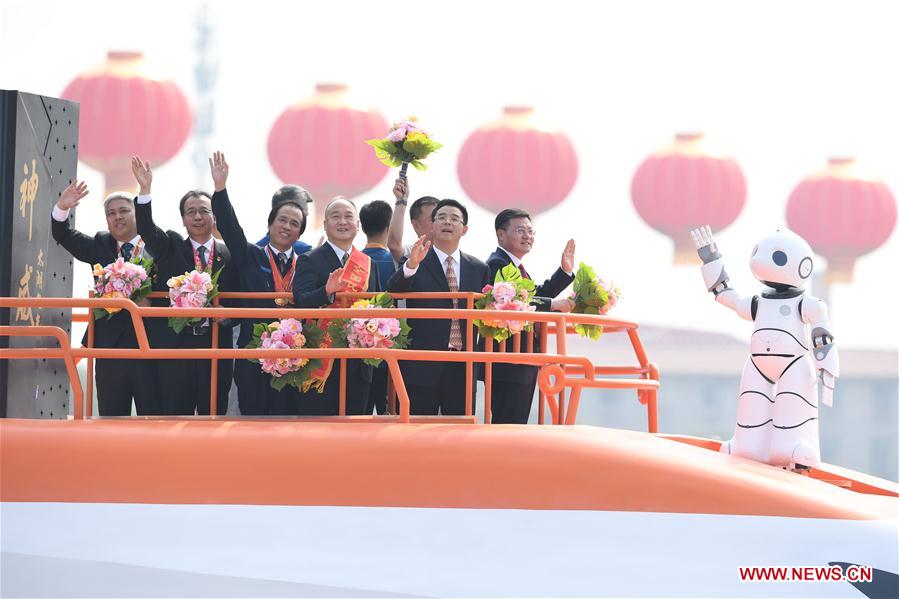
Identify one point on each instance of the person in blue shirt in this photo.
(291, 193)
(375, 220)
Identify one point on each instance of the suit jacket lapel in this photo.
(331, 257)
(113, 247)
(432, 263)
(187, 253)
(465, 274)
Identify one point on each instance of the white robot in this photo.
(777, 410)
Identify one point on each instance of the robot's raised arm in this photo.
(824, 351)
(715, 276)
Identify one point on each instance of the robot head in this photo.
(782, 260)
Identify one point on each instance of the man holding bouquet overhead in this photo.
(269, 268)
(512, 390)
(118, 381)
(191, 270)
(335, 266)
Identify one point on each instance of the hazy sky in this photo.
(781, 86)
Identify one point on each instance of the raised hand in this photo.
(143, 174)
(334, 283)
(401, 189)
(705, 244)
(418, 252)
(72, 195)
(218, 166)
(567, 261)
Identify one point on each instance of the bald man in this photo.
(315, 284)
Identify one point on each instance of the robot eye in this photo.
(779, 258)
(805, 267)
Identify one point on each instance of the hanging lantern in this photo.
(682, 187)
(125, 111)
(842, 215)
(513, 164)
(319, 144)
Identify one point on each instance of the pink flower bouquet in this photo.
(406, 143)
(592, 295)
(121, 279)
(370, 331)
(194, 289)
(288, 333)
(512, 293)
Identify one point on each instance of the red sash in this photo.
(355, 274)
(197, 265)
(282, 282)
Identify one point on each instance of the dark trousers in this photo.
(185, 383)
(256, 395)
(118, 381)
(327, 403)
(511, 401)
(446, 396)
(377, 393)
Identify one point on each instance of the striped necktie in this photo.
(455, 338)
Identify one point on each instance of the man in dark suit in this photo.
(512, 391)
(262, 269)
(439, 386)
(185, 383)
(314, 286)
(118, 381)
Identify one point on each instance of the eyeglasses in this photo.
(522, 230)
(196, 211)
(443, 218)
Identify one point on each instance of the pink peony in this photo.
(504, 291)
(397, 135)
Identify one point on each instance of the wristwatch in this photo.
(401, 202)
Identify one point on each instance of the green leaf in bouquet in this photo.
(509, 273)
(591, 331)
(279, 382)
(337, 332)
(100, 313)
(178, 324)
(386, 152)
(420, 166)
(420, 145)
(382, 300)
(313, 334)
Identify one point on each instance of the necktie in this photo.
(523, 270)
(201, 250)
(282, 262)
(455, 338)
(346, 256)
(126, 250)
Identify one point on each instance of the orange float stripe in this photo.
(294, 462)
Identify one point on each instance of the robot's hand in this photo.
(705, 244)
(826, 383)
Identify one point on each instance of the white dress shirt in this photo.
(457, 257)
(337, 250)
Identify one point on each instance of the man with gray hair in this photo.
(291, 193)
(118, 381)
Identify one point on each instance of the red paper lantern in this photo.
(125, 111)
(842, 215)
(320, 145)
(513, 164)
(682, 187)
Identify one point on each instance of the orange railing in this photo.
(559, 372)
